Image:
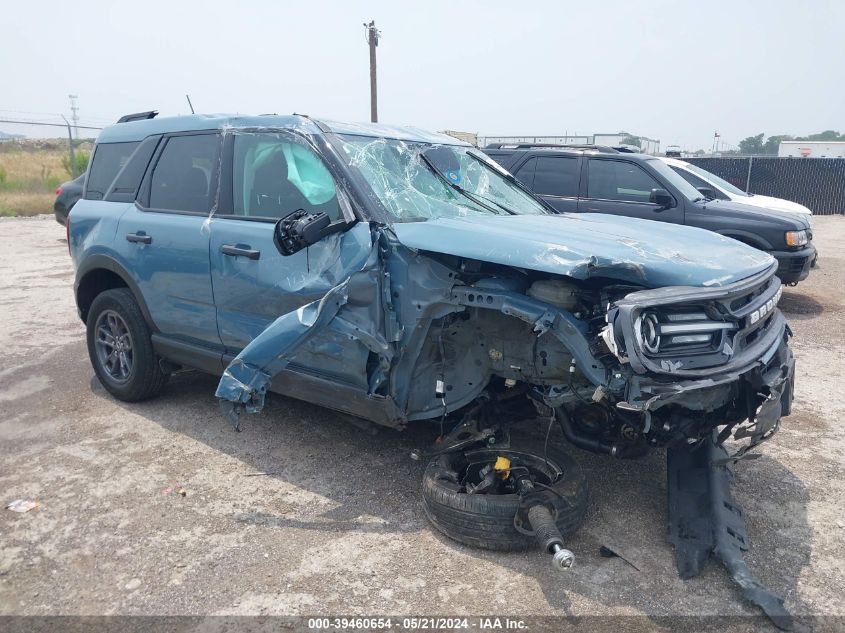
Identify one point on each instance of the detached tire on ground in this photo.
(121, 349)
(487, 520)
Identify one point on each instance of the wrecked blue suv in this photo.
(403, 277)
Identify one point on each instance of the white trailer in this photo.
(812, 149)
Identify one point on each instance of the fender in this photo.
(747, 237)
(100, 261)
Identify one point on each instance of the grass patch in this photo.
(30, 171)
(24, 203)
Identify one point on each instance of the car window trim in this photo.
(530, 158)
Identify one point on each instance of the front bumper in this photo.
(794, 266)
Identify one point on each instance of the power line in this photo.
(96, 119)
(81, 127)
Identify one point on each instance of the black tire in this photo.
(145, 378)
(487, 521)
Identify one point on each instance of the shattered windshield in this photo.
(419, 181)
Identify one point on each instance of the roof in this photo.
(594, 150)
(677, 162)
(138, 130)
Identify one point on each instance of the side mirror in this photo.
(662, 198)
(707, 192)
(299, 230)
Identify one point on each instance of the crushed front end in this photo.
(699, 359)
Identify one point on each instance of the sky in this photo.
(677, 71)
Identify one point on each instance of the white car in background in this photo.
(723, 190)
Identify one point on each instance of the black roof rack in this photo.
(138, 116)
(325, 129)
(599, 148)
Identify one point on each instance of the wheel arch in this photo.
(102, 273)
(750, 239)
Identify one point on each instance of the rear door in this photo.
(622, 187)
(165, 238)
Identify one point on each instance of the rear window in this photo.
(109, 159)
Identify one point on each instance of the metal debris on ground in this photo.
(22, 505)
(606, 552)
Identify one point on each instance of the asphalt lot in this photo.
(335, 524)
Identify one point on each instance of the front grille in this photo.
(686, 331)
(756, 314)
(700, 336)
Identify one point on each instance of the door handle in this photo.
(139, 238)
(239, 250)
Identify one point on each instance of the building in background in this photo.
(812, 149)
(614, 139)
(466, 137)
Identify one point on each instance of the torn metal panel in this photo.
(705, 520)
(248, 376)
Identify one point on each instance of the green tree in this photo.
(827, 135)
(752, 144)
(770, 147)
(81, 158)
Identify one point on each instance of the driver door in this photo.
(312, 322)
(267, 176)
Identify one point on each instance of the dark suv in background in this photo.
(599, 179)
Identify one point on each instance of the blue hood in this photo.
(582, 245)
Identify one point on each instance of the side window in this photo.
(275, 176)
(618, 180)
(525, 174)
(181, 179)
(696, 182)
(108, 160)
(556, 176)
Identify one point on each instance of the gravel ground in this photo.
(334, 524)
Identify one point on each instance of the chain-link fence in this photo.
(817, 183)
(36, 157)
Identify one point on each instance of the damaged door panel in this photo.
(337, 339)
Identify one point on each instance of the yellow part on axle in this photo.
(502, 467)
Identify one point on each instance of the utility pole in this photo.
(74, 114)
(73, 173)
(373, 35)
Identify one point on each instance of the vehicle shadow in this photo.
(797, 306)
(367, 472)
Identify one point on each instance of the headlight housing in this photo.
(796, 238)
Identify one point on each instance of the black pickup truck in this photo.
(598, 179)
